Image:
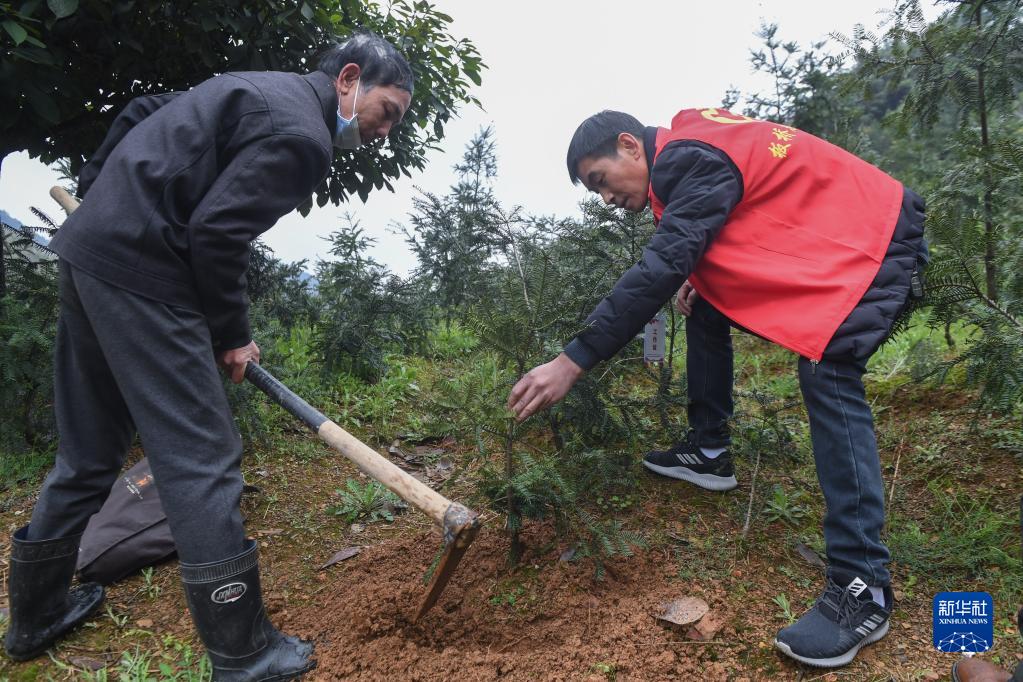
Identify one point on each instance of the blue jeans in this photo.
(841, 431)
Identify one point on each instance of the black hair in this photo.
(380, 61)
(597, 136)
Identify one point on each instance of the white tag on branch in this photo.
(653, 339)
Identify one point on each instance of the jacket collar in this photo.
(323, 86)
(650, 147)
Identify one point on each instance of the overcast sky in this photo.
(551, 64)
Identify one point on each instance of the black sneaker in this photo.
(685, 462)
(844, 619)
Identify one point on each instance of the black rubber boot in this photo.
(43, 607)
(227, 607)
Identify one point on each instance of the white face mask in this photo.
(347, 135)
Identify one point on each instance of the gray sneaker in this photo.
(844, 619)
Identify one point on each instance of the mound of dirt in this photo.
(555, 624)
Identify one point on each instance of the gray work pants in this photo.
(125, 364)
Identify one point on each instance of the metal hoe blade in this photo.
(460, 528)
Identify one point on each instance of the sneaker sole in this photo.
(836, 661)
(705, 481)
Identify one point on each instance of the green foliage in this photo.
(289, 355)
(968, 58)
(993, 353)
(455, 236)
(601, 540)
(176, 663)
(280, 291)
(364, 309)
(509, 597)
(764, 426)
(367, 502)
(68, 67)
(151, 589)
(761, 431)
(915, 351)
(965, 536)
(183, 664)
(785, 608)
(450, 341)
(295, 355)
(937, 105)
(534, 488)
(19, 467)
(803, 91)
(601, 475)
(615, 503)
(466, 400)
(782, 506)
(28, 326)
(608, 670)
(541, 277)
(964, 72)
(380, 404)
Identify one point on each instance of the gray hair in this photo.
(380, 61)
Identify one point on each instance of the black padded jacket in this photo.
(699, 186)
(184, 182)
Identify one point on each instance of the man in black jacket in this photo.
(153, 296)
(742, 221)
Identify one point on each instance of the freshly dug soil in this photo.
(563, 625)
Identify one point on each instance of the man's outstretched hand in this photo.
(543, 386)
(234, 361)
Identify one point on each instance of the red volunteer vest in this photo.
(802, 247)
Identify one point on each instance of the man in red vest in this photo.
(771, 230)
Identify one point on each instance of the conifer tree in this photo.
(968, 62)
(454, 236)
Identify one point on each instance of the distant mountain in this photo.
(308, 279)
(12, 232)
(7, 219)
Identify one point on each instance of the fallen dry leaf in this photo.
(810, 556)
(346, 553)
(682, 611)
(86, 663)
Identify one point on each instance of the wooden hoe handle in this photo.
(370, 462)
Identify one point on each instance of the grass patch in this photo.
(24, 467)
(366, 502)
(450, 341)
(965, 537)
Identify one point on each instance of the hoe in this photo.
(458, 523)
